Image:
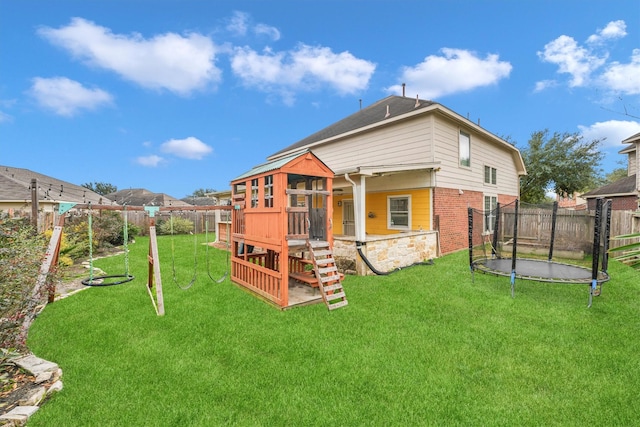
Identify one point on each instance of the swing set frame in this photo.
(154, 278)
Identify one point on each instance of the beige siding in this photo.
(402, 143)
(631, 163)
(424, 139)
(483, 153)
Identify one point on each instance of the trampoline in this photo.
(498, 246)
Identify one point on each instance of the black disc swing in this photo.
(173, 257)
(108, 280)
(206, 233)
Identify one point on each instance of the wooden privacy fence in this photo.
(624, 222)
(573, 232)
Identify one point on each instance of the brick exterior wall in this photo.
(450, 215)
(623, 203)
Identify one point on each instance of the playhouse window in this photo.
(465, 149)
(268, 191)
(399, 212)
(254, 193)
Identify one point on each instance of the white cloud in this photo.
(150, 161)
(188, 148)
(305, 68)
(624, 78)
(571, 58)
(266, 30)
(180, 64)
(613, 132)
(238, 23)
(5, 118)
(613, 30)
(456, 70)
(583, 62)
(544, 84)
(67, 97)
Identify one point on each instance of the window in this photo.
(268, 191)
(399, 214)
(490, 205)
(254, 193)
(465, 149)
(490, 175)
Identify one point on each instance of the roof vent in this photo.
(417, 102)
(388, 113)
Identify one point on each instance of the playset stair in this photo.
(326, 272)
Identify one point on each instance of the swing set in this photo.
(154, 278)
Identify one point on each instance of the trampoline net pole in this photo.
(470, 227)
(596, 249)
(514, 250)
(554, 217)
(496, 225)
(606, 236)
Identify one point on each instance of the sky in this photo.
(179, 95)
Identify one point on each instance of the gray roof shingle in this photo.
(142, 197)
(624, 186)
(15, 185)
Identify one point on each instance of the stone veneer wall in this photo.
(385, 253)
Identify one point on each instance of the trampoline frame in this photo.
(594, 276)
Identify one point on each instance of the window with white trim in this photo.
(490, 205)
(399, 212)
(465, 149)
(490, 175)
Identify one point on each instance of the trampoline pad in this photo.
(539, 270)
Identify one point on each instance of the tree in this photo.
(202, 192)
(562, 162)
(102, 188)
(615, 175)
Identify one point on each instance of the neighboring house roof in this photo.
(142, 197)
(15, 185)
(388, 110)
(622, 187)
(201, 201)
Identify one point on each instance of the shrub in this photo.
(180, 226)
(21, 254)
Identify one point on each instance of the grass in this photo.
(423, 346)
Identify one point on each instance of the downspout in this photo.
(359, 237)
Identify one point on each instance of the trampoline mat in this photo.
(539, 270)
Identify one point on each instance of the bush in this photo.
(107, 230)
(180, 226)
(21, 254)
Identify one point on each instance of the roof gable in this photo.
(385, 109)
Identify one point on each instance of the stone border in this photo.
(45, 372)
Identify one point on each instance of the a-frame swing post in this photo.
(154, 278)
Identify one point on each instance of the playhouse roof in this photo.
(275, 164)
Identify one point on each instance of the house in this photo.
(19, 187)
(624, 192)
(406, 170)
(142, 197)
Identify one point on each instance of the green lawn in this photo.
(423, 346)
